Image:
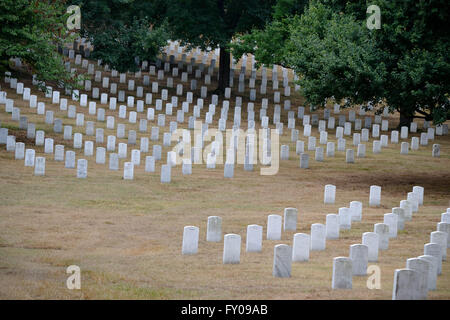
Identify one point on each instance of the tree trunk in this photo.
(224, 70)
(405, 119)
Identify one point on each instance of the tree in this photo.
(121, 31)
(405, 64)
(213, 23)
(32, 31)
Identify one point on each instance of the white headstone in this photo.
(342, 273)
(435, 250)
(432, 271)
(114, 161)
(359, 253)
(59, 152)
(382, 230)
(345, 218)
(82, 165)
(375, 196)
(332, 226)
(19, 151)
(301, 247)
(149, 164)
(128, 171)
(401, 217)
(290, 219)
(329, 194)
(165, 173)
(274, 227)
(407, 206)
(254, 238)
(231, 248)
(318, 237)
(39, 166)
(214, 229)
(419, 191)
(406, 284)
(440, 238)
(356, 210)
(282, 261)
(29, 157)
(100, 155)
(190, 240)
(70, 160)
(422, 267)
(371, 240)
(391, 220)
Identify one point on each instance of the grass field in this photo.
(126, 235)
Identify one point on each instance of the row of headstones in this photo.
(274, 230)
(122, 113)
(111, 145)
(99, 131)
(294, 134)
(184, 76)
(233, 60)
(213, 54)
(337, 105)
(144, 66)
(415, 197)
(81, 47)
(410, 283)
(340, 132)
(361, 254)
(420, 274)
(160, 76)
(284, 149)
(302, 243)
(68, 131)
(30, 159)
(122, 110)
(38, 163)
(225, 92)
(144, 144)
(39, 135)
(182, 50)
(56, 95)
(284, 75)
(405, 148)
(330, 151)
(348, 152)
(136, 154)
(196, 53)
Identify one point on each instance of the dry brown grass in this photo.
(126, 235)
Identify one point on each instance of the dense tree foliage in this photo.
(32, 30)
(405, 64)
(122, 31)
